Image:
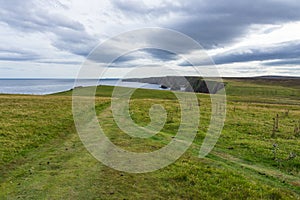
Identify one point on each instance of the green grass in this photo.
(262, 91)
(106, 91)
(42, 157)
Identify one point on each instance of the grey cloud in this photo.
(270, 30)
(161, 54)
(76, 42)
(14, 54)
(287, 50)
(185, 64)
(204, 62)
(153, 44)
(281, 70)
(59, 62)
(216, 23)
(29, 16)
(147, 53)
(283, 62)
(294, 69)
(137, 8)
(124, 59)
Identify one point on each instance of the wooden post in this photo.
(287, 112)
(274, 128)
(277, 122)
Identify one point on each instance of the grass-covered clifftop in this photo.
(42, 157)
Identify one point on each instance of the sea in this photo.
(50, 86)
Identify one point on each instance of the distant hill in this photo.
(197, 84)
(286, 81)
(278, 77)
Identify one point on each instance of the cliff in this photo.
(188, 83)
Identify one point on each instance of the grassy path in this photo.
(63, 169)
(260, 169)
(273, 175)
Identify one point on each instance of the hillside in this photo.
(284, 81)
(42, 157)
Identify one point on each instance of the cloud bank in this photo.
(251, 38)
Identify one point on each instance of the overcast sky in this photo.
(244, 38)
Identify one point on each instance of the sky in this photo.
(52, 39)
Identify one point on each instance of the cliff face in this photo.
(188, 84)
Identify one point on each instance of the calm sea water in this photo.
(49, 86)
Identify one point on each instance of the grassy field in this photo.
(42, 157)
